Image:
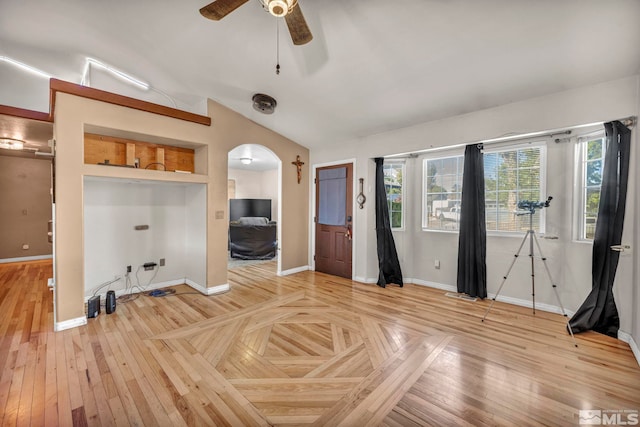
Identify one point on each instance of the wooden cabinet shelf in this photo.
(101, 149)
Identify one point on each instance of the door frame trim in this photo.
(312, 212)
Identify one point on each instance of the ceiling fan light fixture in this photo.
(280, 8)
(287, 9)
(11, 144)
(246, 160)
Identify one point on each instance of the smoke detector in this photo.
(264, 103)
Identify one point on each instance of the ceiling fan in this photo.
(289, 9)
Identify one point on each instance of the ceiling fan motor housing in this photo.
(264, 103)
(280, 8)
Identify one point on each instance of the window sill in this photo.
(431, 230)
(582, 242)
(518, 234)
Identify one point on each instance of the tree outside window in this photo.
(511, 175)
(393, 173)
(593, 151)
(443, 191)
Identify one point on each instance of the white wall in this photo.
(175, 216)
(635, 166)
(565, 256)
(196, 234)
(570, 262)
(257, 185)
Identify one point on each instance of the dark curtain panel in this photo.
(598, 312)
(387, 256)
(472, 240)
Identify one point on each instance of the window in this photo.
(510, 174)
(393, 184)
(332, 196)
(591, 154)
(442, 193)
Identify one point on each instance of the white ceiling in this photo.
(372, 66)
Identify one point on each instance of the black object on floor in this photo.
(93, 306)
(110, 303)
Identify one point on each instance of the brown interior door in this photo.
(334, 231)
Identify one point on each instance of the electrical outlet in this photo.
(162, 262)
(436, 264)
(128, 269)
(25, 246)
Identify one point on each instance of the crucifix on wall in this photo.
(298, 164)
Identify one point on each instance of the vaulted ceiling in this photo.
(372, 66)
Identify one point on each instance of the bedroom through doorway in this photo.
(254, 191)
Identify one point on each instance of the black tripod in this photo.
(529, 209)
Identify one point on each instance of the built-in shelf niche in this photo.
(112, 147)
(174, 217)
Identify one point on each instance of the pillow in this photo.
(253, 220)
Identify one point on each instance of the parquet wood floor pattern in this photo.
(306, 349)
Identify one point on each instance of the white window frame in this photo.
(403, 211)
(494, 148)
(579, 184)
(434, 157)
(513, 146)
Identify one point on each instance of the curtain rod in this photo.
(629, 122)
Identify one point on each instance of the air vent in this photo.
(264, 103)
(460, 296)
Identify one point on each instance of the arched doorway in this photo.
(254, 193)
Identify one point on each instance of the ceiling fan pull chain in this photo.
(277, 46)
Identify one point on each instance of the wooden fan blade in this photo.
(220, 8)
(300, 33)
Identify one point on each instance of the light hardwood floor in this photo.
(307, 349)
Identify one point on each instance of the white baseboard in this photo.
(509, 300)
(210, 290)
(364, 280)
(294, 270)
(436, 285)
(71, 323)
(150, 287)
(527, 303)
(623, 336)
(25, 259)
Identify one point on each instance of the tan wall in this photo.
(25, 206)
(228, 130)
(232, 129)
